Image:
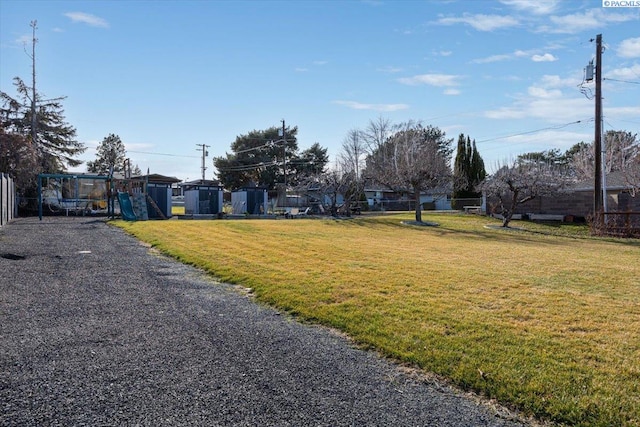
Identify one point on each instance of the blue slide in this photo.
(126, 209)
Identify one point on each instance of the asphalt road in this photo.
(97, 330)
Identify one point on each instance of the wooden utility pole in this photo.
(34, 110)
(284, 156)
(597, 188)
(204, 157)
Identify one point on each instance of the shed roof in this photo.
(158, 179)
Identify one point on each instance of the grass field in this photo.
(546, 320)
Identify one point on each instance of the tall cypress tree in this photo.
(469, 171)
(478, 171)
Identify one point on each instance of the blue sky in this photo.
(167, 75)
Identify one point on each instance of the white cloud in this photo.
(385, 108)
(87, 18)
(548, 139)
(629, 48)
(539, 92)
(481, 22)
(547, 57)
(626, 73)
(23, 40)
(555, 81)
(320, 62)
(537, 7)
(617, 112)
(545, 100)
(506, 113)
(451, 92)
(492, 58)
(588, 20)
(516, 54)
(390, 69)
(431, 79)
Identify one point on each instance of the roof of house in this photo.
(614, 181)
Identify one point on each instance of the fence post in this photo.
(7, 199)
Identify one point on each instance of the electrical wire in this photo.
(535, 131)
(621, 81)
(242, 168)
(163, 154)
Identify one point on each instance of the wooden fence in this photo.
(618, 224)
(7, 199)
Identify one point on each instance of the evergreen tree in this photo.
(469, 172)
(258, 157)
(460, 167)
(110, 154)
(42, 121)
(478, 171)
(45, 126)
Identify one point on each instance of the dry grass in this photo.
(545, 320)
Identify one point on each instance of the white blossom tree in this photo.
(520, 182)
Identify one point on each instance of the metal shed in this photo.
(203, 199)
(250, 200)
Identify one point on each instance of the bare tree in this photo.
(632, 175)
(620, 153)
(327, 187)
(514, 185)
(376, 134)
(414, 158)
(353, 152)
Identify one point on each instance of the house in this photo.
(576, 202)
(380, 198)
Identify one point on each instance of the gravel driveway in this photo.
(97, 330)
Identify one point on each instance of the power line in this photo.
(268, 144)
(242, 168)
(621, 81)
(534, 131)
(163, 154)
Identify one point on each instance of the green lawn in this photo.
(546, 319)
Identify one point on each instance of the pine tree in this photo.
(111, 155)
(42, 121)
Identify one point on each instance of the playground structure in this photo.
(77, 194)
(137, 198)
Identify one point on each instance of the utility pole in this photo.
(284, 155)
(34, 120)
(205, 153)
(597, 188)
